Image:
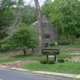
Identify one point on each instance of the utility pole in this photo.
(41, 32)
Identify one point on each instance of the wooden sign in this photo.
(50, 51)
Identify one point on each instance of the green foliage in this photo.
(24, 37)
(65, 14)
(51, 61)
(67, 18)
(20, 3)
(44, 61)
(46, 8)
(31, 16)
(52, 43)
(6, 14)
(60, 60)
(54, 15)
(63, 40)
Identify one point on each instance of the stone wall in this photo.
(50, 32)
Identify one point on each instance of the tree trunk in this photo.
(15, 23)
(41, 33)
(24, 52)
(33, 50)
(71, 39)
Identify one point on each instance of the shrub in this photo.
(60, 60)
(51, 61)
(63, 40)
(52, 43)
(43, 61)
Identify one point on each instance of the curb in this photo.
(74, 76)
(49, 73)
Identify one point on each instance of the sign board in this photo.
(50, 51)
(51, 56)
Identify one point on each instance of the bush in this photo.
(43, 61)
(60, 60)
(63, 40)
(52, 43)
(51, 61)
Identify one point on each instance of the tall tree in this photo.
(67, 13)
(54, 15)
(17, 17)
(25, 37)
(6, 14)
(46, 8)
(23, 14)
(41, 33)
(30, 16)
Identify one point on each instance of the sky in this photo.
(32, 2)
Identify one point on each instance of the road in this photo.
(12, 75)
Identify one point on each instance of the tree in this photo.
(46, 8)
(30, 15)
(67, 13)
(6, 14)
(17, 16)
(22, 14)
(68, 17)
(23, 38)
(41, 33)
(54, 15)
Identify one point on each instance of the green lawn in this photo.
(65, 52)
(19, 58)
(67, 67)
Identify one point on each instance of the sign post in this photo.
(48, 52)
(47, 58)
(55, 57)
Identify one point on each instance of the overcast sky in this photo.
(32, 1)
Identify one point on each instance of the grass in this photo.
(65, 52)
(19, 58)
(67, 67)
